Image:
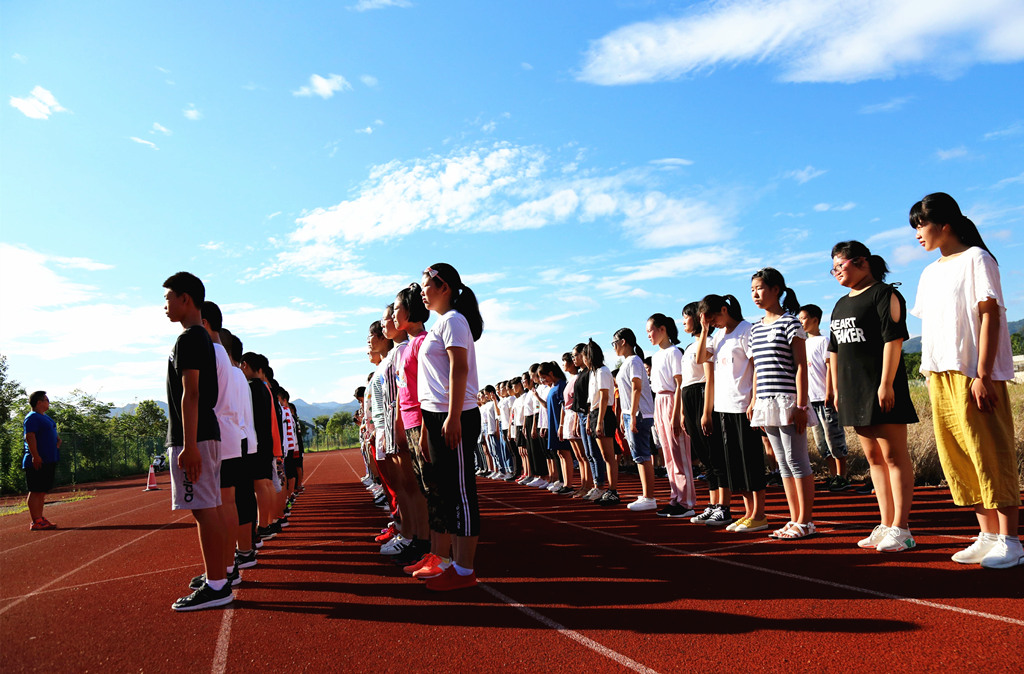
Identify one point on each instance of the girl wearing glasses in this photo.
(965, 351)
(869, 382)
(447, 379)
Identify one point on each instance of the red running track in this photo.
(566, 587)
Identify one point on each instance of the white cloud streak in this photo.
(952, 153)
(39, 104)
(140, 141)
(324, 87)
(812, 40)
(805, 174)
(160, 128)
(191, 113)
(892, 105)
(368, 5)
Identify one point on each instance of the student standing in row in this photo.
(965, 351)
(870, 384)
(637, 413)
(42, 451)
(601, 420)
(570, 426)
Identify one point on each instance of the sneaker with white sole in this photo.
(896, 540)
(204, 597)
(732, 527)
(594, 494)
(555, 486)
(704, 516)
(976, 551)
(874, 538)
(1005, 554)
(539, 483)
(720, 518)
(395, 546)
(643, 503)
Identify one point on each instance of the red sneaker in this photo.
(451, 580)
(386, 535)
(48, 524)
(431, 570)
(40, 525)
(429, 558)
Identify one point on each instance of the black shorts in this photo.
(291, 467)
(233, 472)
(261, 465)
(454, 475)
(41, 480)
(743, 453)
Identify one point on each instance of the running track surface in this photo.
(565, 587)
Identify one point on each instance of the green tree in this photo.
(1017, 343)
(147, 421)
(912, 361)
(13, 407)
(321, 422)
(339, 421)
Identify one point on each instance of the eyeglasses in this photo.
(836, 270)
(616, 343)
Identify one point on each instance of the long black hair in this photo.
(410, 299)
(551, 368)
(851, 250)
(712, 304)
(594, 355)
(626, 335)
(663, 321)
(692, 309)
(941, 209)
(463, 299)
(773, 279)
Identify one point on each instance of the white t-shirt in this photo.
(693, 372)
(529, 404)
(450, 330)
(633, 368)
(734, 369)
(948, 296)
(601, 379)
(665, 365)
(817, 356)
(504, 406)
(230, 403)
(517, 411)
(487, 418)
(543, 390)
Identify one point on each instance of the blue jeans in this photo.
(593, 453)
(640, 442)
(829, 434)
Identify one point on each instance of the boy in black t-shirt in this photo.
(193, 436)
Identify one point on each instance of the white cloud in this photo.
(39, 104)
(695, 261)
(805, 174)
(656, 220)
(368, 130)
(672, 162)
(823, 207)
(1013, 180)
(911, 252)
(1014, 129)
(324, 87)
(249, 319)
(515, 289)
(19, 58)
(892, 105)
(192, 113)
(212, 245)
(890, 236)
(367, 5)
(812, 40)
(525, 66)
(140, 141)
(368, 80)
(165, 71)
(489, 127)
(482, 278)
(160, 128)
(952, 153)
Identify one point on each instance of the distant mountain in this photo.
(130, 408)
(913, 345)
(309, 410)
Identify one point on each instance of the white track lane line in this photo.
(61, 577)
(775, 572)
(548, 622)
(105, 580)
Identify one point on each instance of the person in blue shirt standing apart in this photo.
(42, 451)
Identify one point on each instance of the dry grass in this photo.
(921, 439)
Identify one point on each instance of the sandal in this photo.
(800, 531)
(779, 534)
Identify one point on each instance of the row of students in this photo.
(741, 384)
(230, 429)
(420, 427)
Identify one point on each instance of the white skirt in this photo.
(571, 428)
(778, 410)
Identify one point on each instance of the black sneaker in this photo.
(266, 533)
(283, 522)
(827, 484)
(275, 527)
(866, 488)
(235, 577)
(609, 498)
(704, 516)
(839, 483)
(682, 511)
(381, 500)
(204, 597)
(566, 490)
(720, 518)
(669, 510)
(245, 560)
(197, 582)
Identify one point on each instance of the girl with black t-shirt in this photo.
(869, 382)
(570, 425)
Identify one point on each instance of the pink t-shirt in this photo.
(408, 398)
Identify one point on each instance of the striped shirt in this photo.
(772, 354)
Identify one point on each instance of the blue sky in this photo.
(583, 164)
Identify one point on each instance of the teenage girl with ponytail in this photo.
(739, 445)
(667, 383)
(780, 404)
(570, 426)
(637, 406)
(448, 385)
(699, 411)
(869, 382)
(966, 354)
(601, 420)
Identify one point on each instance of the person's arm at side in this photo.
(30, 440)
(753, 397)
(830, 393)
(458, 372)
(706, 422)
(634, 403)
(400, 439)
(982, 389)
(189, 459)
(799, 347)
(891, 353)
(677, 406)
(602, 405)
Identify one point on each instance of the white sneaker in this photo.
(539, 483)
(371, 486)
(643, 503)
(1005, 554)
(395, 545)
(874, 538)
(976, 551)
(533, 482)
(594, 494)
(555, 486)
(896, 540)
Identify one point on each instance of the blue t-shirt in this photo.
(556, 399)
(45, 430)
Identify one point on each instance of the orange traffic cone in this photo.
(151, 481)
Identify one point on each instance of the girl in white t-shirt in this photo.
(447, 381)
(517, 430)
(569, 427)
(742, 453)
(667, 384)
(637, 404)
(966, 354)
(601, 420)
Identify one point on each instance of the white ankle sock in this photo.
(461, 570)
(217, 585)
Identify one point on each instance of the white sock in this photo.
(231, 568)
(988, 537)
(445, 562)
(461, 570)
(217, 585)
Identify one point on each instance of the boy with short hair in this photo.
(42, 451)
(193, 435)
(829, 436)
